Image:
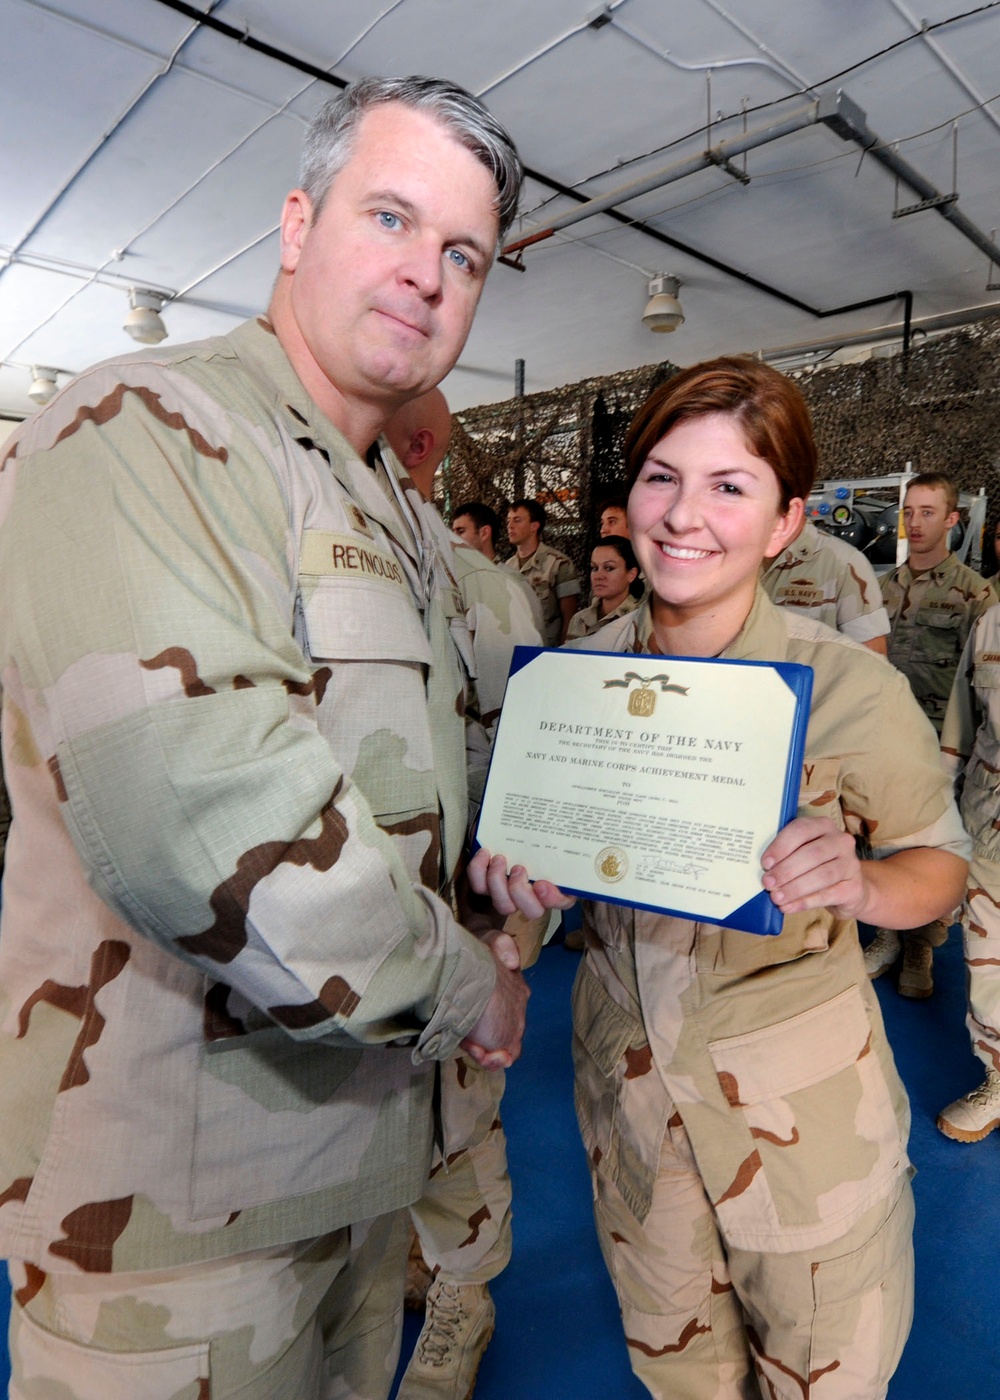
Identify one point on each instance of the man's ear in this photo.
(296, 220)
(420, 448)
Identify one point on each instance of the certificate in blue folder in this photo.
(650, 781)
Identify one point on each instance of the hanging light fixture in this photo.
(663, 311)
(44, 383)
(144, 322)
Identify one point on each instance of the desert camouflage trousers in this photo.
(317, 1320)
(707, 1322)
(981, 939)
(463, 1218)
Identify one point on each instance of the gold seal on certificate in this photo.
(651, 781)
(611, 864)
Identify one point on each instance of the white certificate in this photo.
(654, 781)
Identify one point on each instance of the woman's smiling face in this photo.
(704, 512)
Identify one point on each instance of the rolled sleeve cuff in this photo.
(461, 1004)
(867, 627)
(946, 834)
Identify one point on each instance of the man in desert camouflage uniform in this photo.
(828, 579)
(463, 1220)
(234, 663)
(970, 742)
(933, 600)
(551, 573)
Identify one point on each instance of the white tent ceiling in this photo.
(140, 146)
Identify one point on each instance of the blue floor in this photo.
(558, 1335)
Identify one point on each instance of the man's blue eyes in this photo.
(390, 221)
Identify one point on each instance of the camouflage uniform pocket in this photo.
(622, 1104)
(45, 1363)
(814, 1138)
(981, 808)
(938, 634)
(863, 1302)
(353, 619)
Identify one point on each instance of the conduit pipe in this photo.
(795, 121)
(876, 335)
(847, 120)
(832, 109)
(720, 154)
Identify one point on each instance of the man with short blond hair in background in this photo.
(933, 601)
(551, 573)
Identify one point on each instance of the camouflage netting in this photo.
(938, 408)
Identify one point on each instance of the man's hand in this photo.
(494, 1042)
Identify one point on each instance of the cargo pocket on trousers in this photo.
(818, 1122)
(864, 1303)
(602, 1032)
(44, 1362)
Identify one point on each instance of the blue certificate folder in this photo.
(668, 826)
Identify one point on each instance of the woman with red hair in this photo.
(744, 1122)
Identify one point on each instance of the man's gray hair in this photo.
(330, 137)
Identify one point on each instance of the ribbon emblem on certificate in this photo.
(642, 702)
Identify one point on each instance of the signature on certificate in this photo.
(681, 867)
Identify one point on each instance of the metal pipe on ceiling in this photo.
(847, 120)
(834, 110)
(719, 154)
(876, 335)
(712, 65)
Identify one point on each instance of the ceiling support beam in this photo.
(847, 120)
(876, 335)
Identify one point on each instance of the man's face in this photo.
(614, 521)
(927, 520)
(520, 526)
(478, 536)
(387, 278)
